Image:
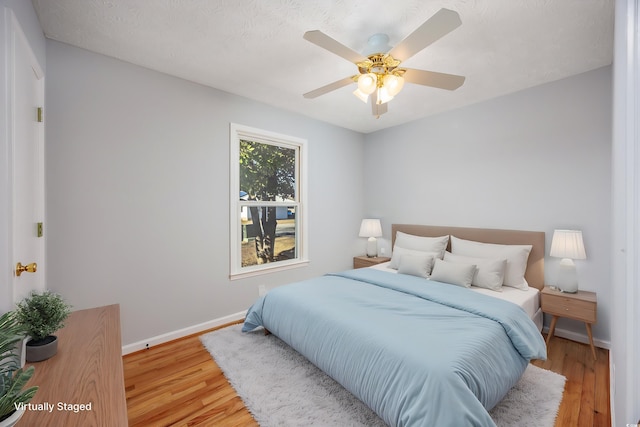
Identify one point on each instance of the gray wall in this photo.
(537, 160)
(137, 173)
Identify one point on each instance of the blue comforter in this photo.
(419, 353)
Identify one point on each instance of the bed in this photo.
(417, 351)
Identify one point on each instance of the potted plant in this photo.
(42, 314)
(12, 377)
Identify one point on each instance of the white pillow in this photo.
(424, 244)
(516, 256)
(453, 272)
(490, 272)
(416, 264)
(398, 252)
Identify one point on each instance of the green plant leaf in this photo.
(12, 378)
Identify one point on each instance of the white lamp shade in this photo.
(361, 95)
(383, 95)
(367, 83)
(393, 84)
(370, 228)
(567, 244)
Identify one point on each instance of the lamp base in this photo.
(567, 277)
(372, 247)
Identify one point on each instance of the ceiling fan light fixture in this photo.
(361, 95)
(393, 83)
(379, 76)
(367, 83)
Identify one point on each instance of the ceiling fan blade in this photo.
(433, 79)
(324, 41)
(439, 25)
(377, 109)
(328, 88)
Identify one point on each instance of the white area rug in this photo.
(281, 388)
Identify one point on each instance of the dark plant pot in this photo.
(38, 350)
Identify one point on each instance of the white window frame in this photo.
(241, 132)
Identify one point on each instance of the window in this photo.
(267, 202)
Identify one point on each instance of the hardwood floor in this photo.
(179, 384)
(586, 393)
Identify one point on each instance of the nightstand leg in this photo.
(593, 349)
(552, 328)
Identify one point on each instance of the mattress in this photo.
(528, 299)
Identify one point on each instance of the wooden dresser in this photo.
(83, 384)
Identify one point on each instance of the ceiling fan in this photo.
(379, 74)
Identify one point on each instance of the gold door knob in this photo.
(30, 268)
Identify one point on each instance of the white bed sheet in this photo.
(528, 299)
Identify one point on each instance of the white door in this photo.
(27, 140)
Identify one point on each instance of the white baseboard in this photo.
(575, 336)
(170, 336)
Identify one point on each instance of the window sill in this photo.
(269, 269)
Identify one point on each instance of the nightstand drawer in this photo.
(362, 261)
(571, 307)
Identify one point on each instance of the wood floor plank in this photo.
(179, 384)
(602, 415)
(585, 418)
(147, 386)
(572, 391)
(586, 398)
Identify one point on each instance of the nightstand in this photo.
(365, 261)
(579, 306)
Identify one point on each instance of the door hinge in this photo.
(40, 115)
(40, 229)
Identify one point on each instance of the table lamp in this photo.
(371, 228)
(568, 245)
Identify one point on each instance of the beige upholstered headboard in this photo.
(535, 264)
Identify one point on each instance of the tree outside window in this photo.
(267, 174)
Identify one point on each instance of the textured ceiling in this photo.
(254, 48)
